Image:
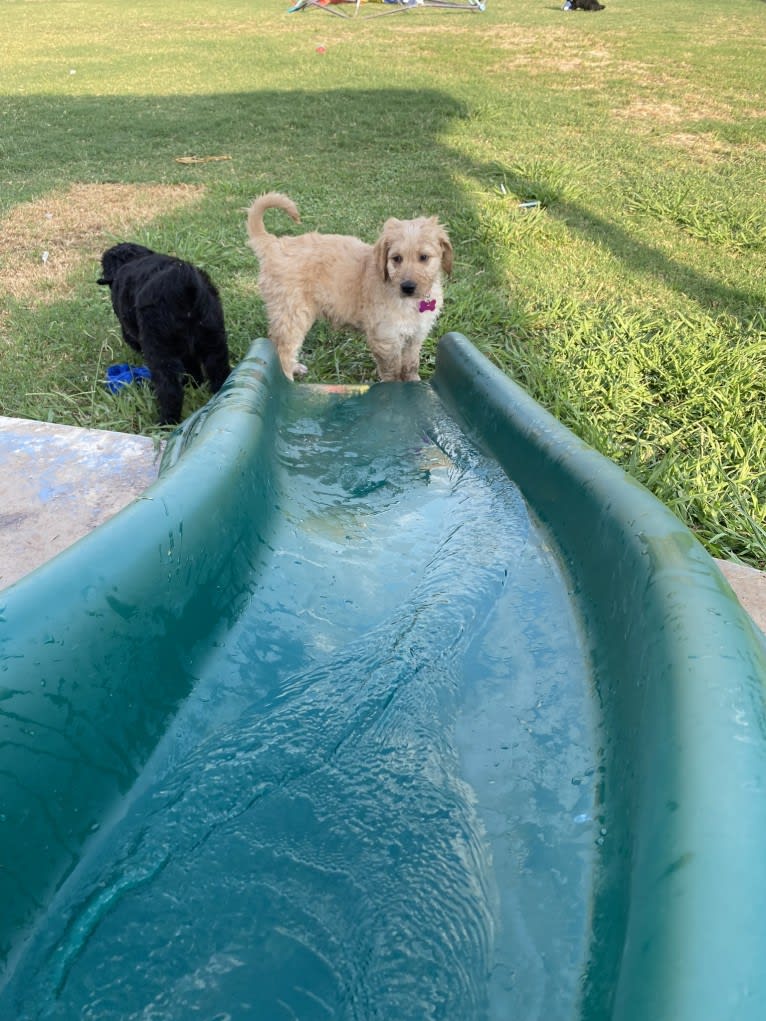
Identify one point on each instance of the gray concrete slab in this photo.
(750, 587)
(57, 483)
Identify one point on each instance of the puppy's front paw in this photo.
(300, 369)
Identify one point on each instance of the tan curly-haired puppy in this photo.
(390, 290)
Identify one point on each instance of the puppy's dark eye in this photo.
(424, 257)
(396, 259)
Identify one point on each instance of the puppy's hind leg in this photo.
(193, 369)
(217, 367)
(210, 345)
(287, 333)
(170, 393)
(167, 382)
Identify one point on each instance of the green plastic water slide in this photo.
(107, 647)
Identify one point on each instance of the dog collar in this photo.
(427, 306)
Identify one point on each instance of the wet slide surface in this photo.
(398, 704)
(377, 800)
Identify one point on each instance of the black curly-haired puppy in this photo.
(170, 311)
(586, 5)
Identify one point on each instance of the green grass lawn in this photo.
(631, 303)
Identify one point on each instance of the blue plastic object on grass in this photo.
(118, 376)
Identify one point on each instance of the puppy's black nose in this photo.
(408, 286)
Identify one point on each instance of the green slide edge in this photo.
(679, 912)
(99, 646)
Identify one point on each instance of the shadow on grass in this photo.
(347, 151)
(350, 158)
(639, 257)
(352, 143)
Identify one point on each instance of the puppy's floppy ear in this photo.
(107, 269)
(381, 249)
(111, 261)
(446, 248)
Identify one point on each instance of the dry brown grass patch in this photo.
(680, 108)
(704, 146)
(42, 243)
(546, 51)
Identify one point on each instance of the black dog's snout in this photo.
(408, 286)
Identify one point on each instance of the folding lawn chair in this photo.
(393, 6)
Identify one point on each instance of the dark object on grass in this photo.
(170, 311)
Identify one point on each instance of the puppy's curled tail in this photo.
(272, 200)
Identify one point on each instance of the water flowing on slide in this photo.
(394, 703)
